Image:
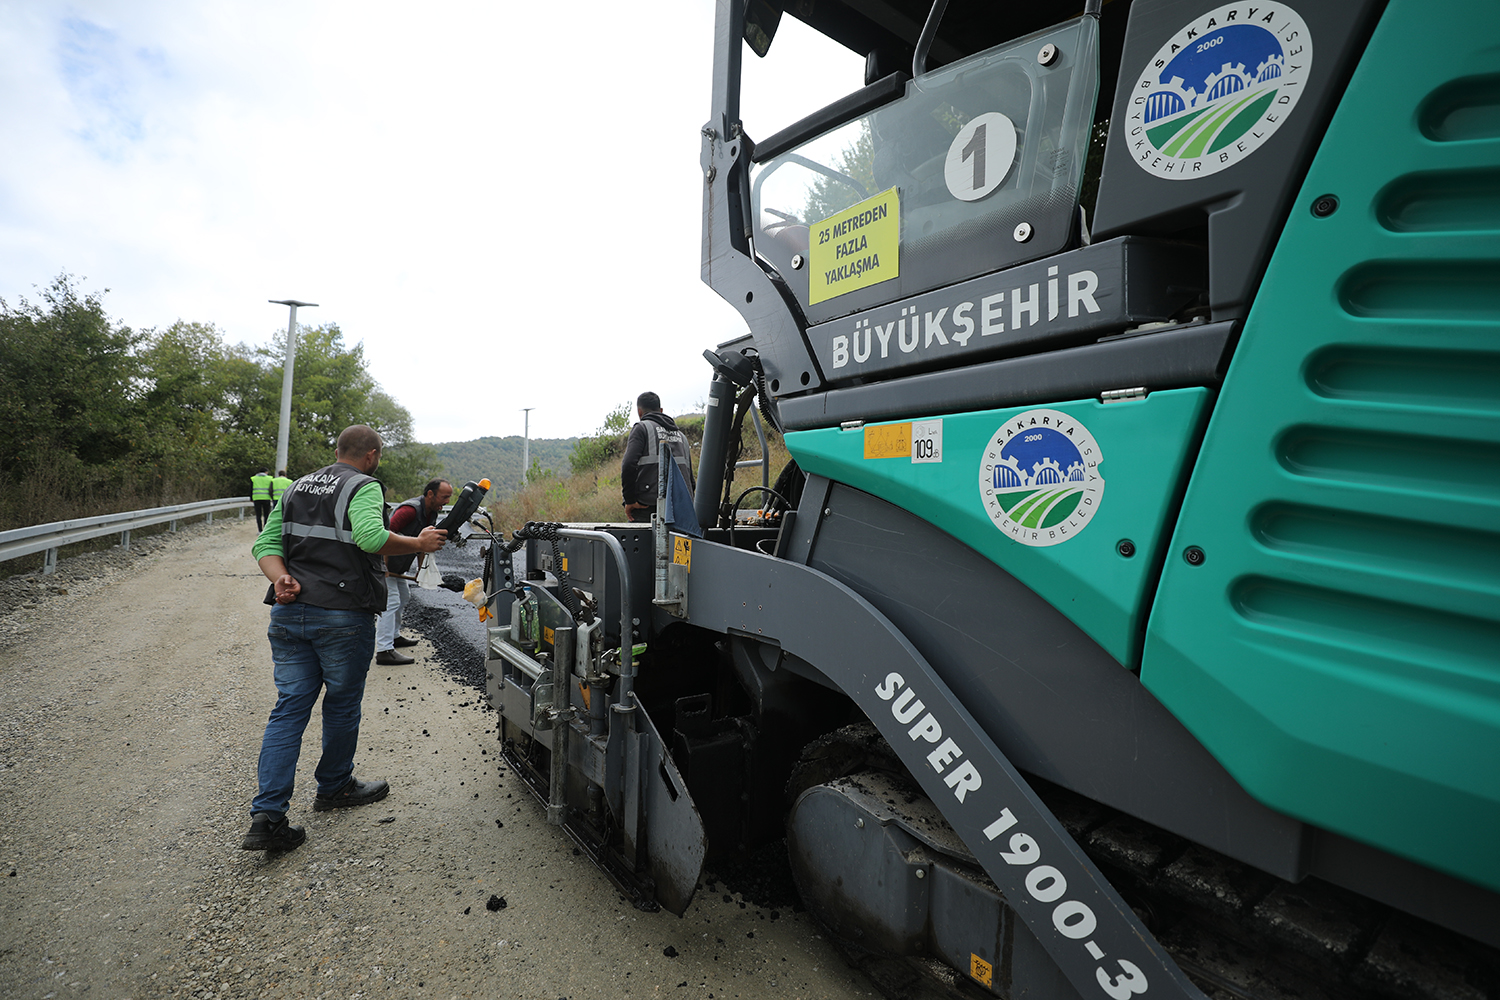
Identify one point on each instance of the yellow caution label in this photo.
(857, 248)
(547, 636)
(565, 563)
(981, 970)
(888, 441)
(682, 552)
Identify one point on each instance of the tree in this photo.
(330, 390)
(183, 377)
(103, 418)
(406, 468)
(831, 195)
(68, 383)
(607, 443)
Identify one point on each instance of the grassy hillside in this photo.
(593, 493)
(499, 460)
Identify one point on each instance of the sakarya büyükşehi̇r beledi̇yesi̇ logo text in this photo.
(1218, 89)
(1039, 478)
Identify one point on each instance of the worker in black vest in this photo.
(321, 550)
(642, 455)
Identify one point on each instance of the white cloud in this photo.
(501, 202)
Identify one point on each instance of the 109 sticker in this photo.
(1039, 479)
(1218, 89)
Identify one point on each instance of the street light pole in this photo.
(285, 429)
(526, 444)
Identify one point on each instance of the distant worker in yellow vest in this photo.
(260, 493)
(279, 485)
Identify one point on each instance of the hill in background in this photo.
(499, 460)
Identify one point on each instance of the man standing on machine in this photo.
(321, 550)
(638, 466)
(409, 518)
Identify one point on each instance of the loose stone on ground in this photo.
(133, 691)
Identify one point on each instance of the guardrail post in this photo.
(210, 520)
(48, 538)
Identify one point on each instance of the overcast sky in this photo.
(501, 201)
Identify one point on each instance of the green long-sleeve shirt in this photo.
(365, 512)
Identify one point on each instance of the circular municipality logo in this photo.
(1218, 89)
(1039, 478)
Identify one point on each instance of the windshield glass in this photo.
(930, 189)
(804, 70)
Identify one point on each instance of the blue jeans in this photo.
(313, 648)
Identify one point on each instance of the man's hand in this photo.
(431, 539)
(287, 588)
(637, 506)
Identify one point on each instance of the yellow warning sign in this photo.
(981, 970)
(682, 552)
(858, 247)
(547, 636)
(888, 441)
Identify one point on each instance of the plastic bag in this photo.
(428, 576)
(474, 594)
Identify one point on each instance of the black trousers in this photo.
(262, 511)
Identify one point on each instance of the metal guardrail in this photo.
(49, 538)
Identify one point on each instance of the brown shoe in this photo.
(391, 658)
(402, 642)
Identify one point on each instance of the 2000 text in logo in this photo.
(1039, 478)
(1218, 89)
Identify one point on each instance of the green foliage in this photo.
(102, 418)
(68, 384)
(499, 460)
(330, 390)
(590, 493)
(406, 468)
(605, 444)
(831, 195)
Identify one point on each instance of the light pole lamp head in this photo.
(289, 302)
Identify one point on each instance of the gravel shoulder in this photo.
(134, 688)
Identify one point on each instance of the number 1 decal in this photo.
(980, 156)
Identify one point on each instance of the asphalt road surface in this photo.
(134, 688)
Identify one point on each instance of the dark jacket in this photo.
(411, 529)
(638, 466)
(318, 539)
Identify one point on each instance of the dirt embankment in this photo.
(133, 691)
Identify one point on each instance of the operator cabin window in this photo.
(802, 72)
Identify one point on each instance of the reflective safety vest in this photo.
(676, 443)
(317, 536)
(260, 487)
(279, 486)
